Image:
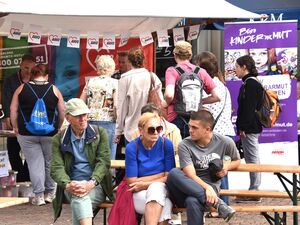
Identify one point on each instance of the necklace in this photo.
(40, 82)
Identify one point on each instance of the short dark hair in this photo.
(28, 57)
(150, 107)
(123, 54)
(204, 116)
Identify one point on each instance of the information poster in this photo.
(273, 46)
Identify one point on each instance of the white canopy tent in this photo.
(112, 16)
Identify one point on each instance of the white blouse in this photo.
(224, 125)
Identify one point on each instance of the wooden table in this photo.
(10, 201)
(7, 133)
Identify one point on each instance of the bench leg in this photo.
(104, 216)
(276, 216)
(276, 220)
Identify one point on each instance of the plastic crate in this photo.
(11, 179)
(25, 189)
(9, 191)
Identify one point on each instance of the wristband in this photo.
(96, 183)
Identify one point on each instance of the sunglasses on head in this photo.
(151, 130)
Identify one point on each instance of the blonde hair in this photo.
(105, 64)
(146, 117)
(183, 50)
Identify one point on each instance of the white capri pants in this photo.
(156, 192)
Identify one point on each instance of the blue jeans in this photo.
(185, 192)
(225, 185)
(183, 126)
(110, 129)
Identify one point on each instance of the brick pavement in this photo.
(28, 214)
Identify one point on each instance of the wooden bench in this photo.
(254, 193)
(291, 191)
(11, 201)
(263, 209)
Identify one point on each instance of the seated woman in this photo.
(148, 160)
(170, 130)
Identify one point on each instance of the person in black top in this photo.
(37, 148)
(248, 125)
(11, 83)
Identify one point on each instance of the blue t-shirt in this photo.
(149, 162)
(81, 169)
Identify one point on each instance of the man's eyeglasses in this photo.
(151, 130)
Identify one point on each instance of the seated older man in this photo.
(80, 164)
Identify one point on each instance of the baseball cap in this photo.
(76, 107)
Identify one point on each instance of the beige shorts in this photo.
(156, 192)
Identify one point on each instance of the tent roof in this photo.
(287, 9)
(116, 16)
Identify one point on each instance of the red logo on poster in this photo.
(73, 40)
(53, 37)
(14, 31)
(92, 41)
(34, 35)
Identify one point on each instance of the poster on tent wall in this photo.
(273, 46)
(68, 67)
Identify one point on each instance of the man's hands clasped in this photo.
(80, 188)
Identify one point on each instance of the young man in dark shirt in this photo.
(11, 83)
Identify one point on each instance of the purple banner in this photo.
(260, 35)
(285, 129)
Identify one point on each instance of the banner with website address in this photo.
(273, 46)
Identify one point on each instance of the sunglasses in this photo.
(151, 130)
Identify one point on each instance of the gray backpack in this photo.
(188, 89)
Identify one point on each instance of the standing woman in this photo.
(100, 94)
(149, 158)
(248, 125)
(133, 94)
(37, 148)
(221, 110)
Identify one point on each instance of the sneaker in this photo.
(248, 199)
(225, 211)
(38, 200)
(175, 219)
(49, 197)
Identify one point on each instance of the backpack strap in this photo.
(35, 92)
(136, 150)
(196, 70)
(179, 70)
(28, 85)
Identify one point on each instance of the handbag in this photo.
(216, 120)
(123, 212)
(239, 147)
(154, 98)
